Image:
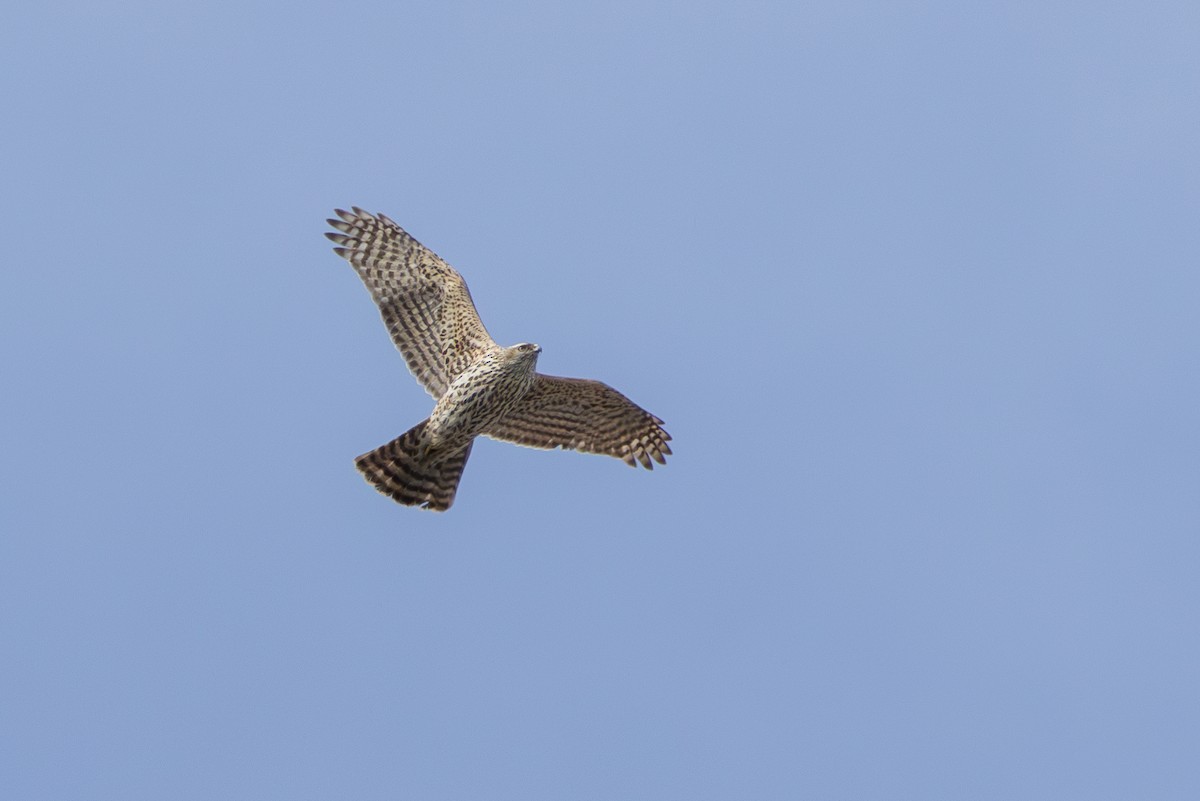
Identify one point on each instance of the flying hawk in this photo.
(481, 388)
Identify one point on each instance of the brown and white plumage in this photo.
(424, 302)
(481, 387)
(588, 416)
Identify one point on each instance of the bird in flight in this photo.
(480, 387)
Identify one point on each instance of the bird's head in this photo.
(526, 350)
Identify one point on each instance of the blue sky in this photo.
(914, 287)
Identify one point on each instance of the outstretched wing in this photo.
(588, 416)
(424, 302)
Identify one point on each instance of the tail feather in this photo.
(398, 471)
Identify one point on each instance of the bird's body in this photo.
(482, 395)
(481, 387)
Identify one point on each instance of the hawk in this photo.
(481, 388)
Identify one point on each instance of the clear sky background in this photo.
(913, 285)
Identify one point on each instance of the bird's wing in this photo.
(588, 416)
(424, 302)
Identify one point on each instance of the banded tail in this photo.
(397, 470)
